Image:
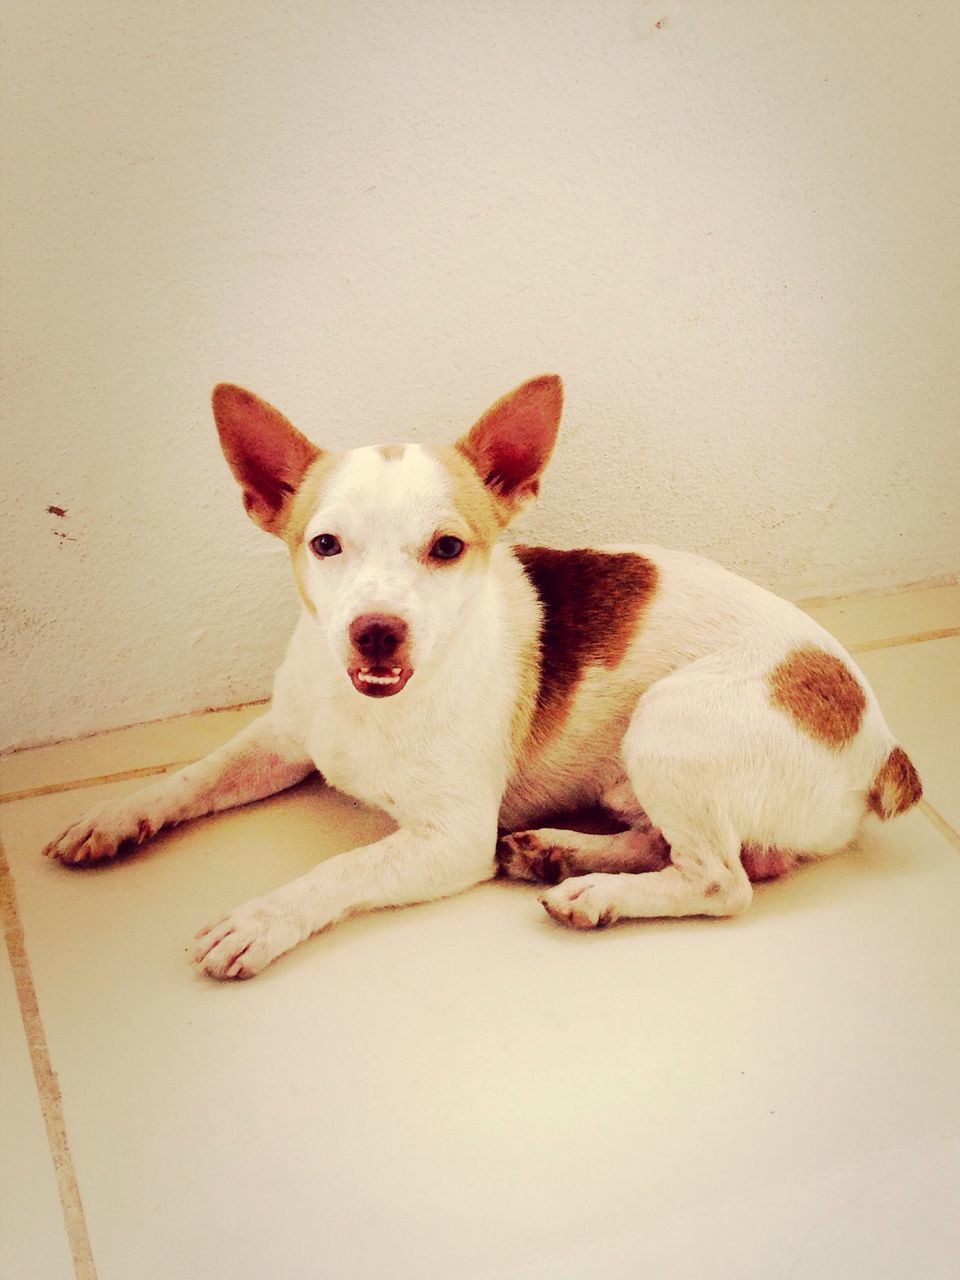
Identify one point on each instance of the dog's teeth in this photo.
(367, 676)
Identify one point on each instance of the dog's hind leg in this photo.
(550, 855)
(685, 783)
(698, 881)
(259, 761)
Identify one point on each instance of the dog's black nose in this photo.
(377, 636)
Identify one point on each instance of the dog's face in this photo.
(389, 544)
(387, 560)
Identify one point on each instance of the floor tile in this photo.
(869, 620)
(918, 687)
(33, 1241)
(140, 746)
(891, 1217)
(466, 1090)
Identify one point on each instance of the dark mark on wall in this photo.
(56, 511)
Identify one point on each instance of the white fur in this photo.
(385, 513)
(682, 728)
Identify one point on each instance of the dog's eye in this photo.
(325, 544)
(447, 548)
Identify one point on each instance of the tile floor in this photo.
(464, 1090)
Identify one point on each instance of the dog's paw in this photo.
(585, 902)
(245, 941)
(523, 856)
(100, 833)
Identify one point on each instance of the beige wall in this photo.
(733, 227)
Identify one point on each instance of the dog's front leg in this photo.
(260, 760)
(412, 865)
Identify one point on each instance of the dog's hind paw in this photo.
(523, 856)
(100, 834)
(246, 941)
(585, 902)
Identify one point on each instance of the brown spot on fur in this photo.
(591, 602)
(526, 842)
(820, 693)
(544, 864)
(712, 889)
(896, 787)
(766, 862)
(391, 452)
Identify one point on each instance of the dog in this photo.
(473, 689)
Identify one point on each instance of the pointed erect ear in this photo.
(510, 445)
(266, 453)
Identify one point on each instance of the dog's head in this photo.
(389, 543)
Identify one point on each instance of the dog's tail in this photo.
(896, 788)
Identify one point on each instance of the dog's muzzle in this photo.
(380, 663)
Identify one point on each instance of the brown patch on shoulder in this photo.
(391, 452)
(820, 694)
(591, 602)
(896, 787)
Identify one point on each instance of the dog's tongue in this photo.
(379, 682)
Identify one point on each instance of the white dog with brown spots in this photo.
(472, 689)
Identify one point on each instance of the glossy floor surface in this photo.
(465, 1090)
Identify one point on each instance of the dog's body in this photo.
(724, 729)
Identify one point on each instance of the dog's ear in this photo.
(266, 453)
(511, 444)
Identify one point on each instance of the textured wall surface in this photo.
(733, 228)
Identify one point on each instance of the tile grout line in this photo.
(943, 582)
(125, 775)
(52, 744)
(894, 642)
(45, 1079)
(937, 820)
(51, 789)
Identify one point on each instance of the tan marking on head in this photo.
(391, 452)
(820, 693)
(473, 501)
(304, 504)
(591, 603)
(896, 787)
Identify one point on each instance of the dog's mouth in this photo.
(379, 682)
